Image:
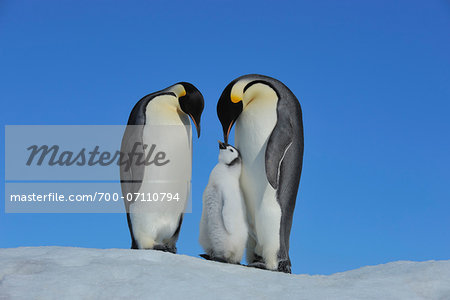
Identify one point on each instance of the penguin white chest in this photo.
(154, 222)
(252, 132)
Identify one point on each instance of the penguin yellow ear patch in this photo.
(235, 99)
(179, 90)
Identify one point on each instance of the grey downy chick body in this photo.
(223, 226)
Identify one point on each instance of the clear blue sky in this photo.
(372, 78)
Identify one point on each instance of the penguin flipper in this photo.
(284, 159)
(131, 174)
(287, 133)
(279, 142)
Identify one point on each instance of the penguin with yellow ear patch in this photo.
(156, 194)
(269, 134)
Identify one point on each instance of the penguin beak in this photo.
(192, 103)
(227, 134)
(222, 145)
(197, 124)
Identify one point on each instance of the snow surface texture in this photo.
(80, 273)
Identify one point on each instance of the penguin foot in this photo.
(215, 258)
(284, 266)
(165, 248)
(206, 256)
(172, 250)
(160, 248)
(258, 262)
(258, 258)
(258, 265)
(220, 259)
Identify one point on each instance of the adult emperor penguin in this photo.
(269, 135)
(156, 184)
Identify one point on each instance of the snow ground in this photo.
(80, 273)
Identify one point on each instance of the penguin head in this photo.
(191, 102)
(228, 154)
(238, 95)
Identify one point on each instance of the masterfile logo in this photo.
(76, 168)
(53, 156)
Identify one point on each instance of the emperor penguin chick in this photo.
(223, 227)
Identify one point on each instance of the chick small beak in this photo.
(222, 145)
